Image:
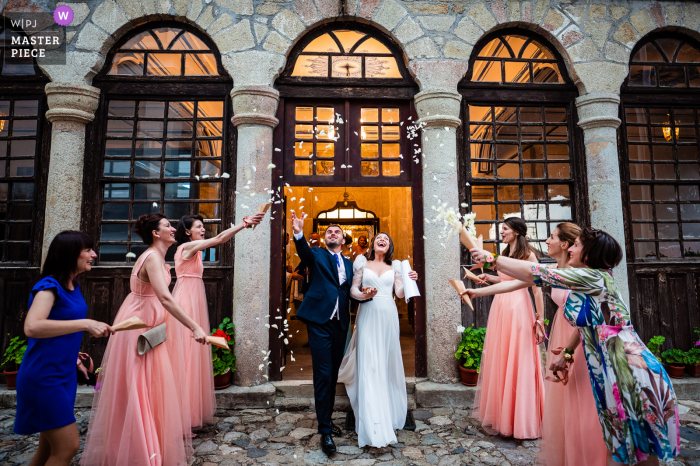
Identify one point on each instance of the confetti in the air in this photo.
(155, 205)
(225, 175)
(271, 166)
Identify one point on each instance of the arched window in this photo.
(666, 62)
(161, 147)
(518, 153)
(660, 171)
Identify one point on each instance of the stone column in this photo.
(254, 109)
(439, 110)
(598, 117)
(71, 107)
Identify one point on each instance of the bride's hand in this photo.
(413, 275)
(368, 292)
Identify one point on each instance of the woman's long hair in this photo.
(568, 232)
(62, 257)
(389, 253)
(185, 224)
(522, 248)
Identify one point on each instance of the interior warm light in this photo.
(347, 67)
(666, 130)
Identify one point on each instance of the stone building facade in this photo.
(255, 40)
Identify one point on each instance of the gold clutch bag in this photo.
(150, 339)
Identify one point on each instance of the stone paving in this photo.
(443, 437)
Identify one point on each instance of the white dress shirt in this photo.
(342, 276)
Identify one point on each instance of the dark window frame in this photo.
(627, 88)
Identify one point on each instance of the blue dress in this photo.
(47, 382)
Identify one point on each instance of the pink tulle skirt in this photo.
(571, 432)
(189, 292)
(510, 393)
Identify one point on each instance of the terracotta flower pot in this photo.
(469, 376)
(11, 379)
(675, 372)
(693, 369)
(222, 381)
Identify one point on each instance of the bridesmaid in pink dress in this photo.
(510, 393)
(570, 433)
(189, 292)
(140, 415)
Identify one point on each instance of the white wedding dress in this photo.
(372, 369)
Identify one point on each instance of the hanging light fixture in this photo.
(667, 129)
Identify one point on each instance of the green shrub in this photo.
(223, 359)
(673, 357)
(15, 353)
(655, 343)
(471, 347)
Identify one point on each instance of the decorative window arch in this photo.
(163, 140)
(518, 112)
(665, 61)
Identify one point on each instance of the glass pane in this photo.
(690, 171)
(671, 76)
(664, 171)
(175, 210)
(485, 113)
(487, 71)
(118, 148)
(112, 211)
(508, 210)
(117, 191)
(558, 170)
(188, 41)
(558, 192)
(687, 152)
(391, 151)
(391, 168)
(508, 193)
(210, 109)
(209, 148)
(556, 133)
(390, 115)
(179, 148)
(640, 171)
(311, 65)
(325, 132)
(533, 192)
(325, 167)
(642, 76)
(181, 110)
(663, 153)
(689, 193)
(302, 167)
(371, 46)
(143, 209)
(546, 73)
(150, 129)
(535, 170)
(531, 114)
(509, 170)
(555, 115)
(510, 152)
(303, 131)
(304, 113)
(369, 115)
(303, 150)
(177, 169)
(390, 133)
(325, 150)
(209, 128)
(560, 211)
(534, 211)
(670, 250)
(348, 38)
(208, 210)
(183, 190)
(640, 193)
(557, 151)
(369, 151)
(114, 168)
(685, 134)
(643, 230)
(370, 132)
(666, 212)
(120, 128)
(370, 168)
(121, 108)
(690, 211)
(114, 232)
(112, 252)
(691, 230)
(517, 72)
(692, 249)
(127, 64)
(694, 77)
(484, 132)
(209, 168)
(23, 148)
(667, 230)
(510, 133)
(151, 109)
(147, 191)
(200, 64)
(665, 193)
(178, 129)
(644, 250)
(21, 211)
(346, 67)
(635, 115)
(642, 212)
(164, 64)
(324, 43)
(324, 114)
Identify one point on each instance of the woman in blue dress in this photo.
(47, 382)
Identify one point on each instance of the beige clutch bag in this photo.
(150, 339)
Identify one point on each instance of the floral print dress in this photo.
(636, 403)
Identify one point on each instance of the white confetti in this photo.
(155, 205)
(277, 149)
(274, 326)
(271, 166)
(130, 255)
(266, 376)
(152, 456)
(281, 369)
(225, 175)
(205, 176)
(197, 176)
(464, 204)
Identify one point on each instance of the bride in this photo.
(372, 369)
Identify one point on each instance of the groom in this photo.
(325, 311)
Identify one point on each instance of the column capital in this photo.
(438, 108)
(255, 105)
(71, 102)
(598, 110)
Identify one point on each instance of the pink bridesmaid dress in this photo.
(140, 414)
(510, 393)
(571, 434)
(189, 292)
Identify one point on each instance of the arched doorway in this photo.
(660, 171)
(161, 141)
(520, 154)
(346, 108)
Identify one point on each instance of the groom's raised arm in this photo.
(303, 249)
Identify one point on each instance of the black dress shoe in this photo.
(327, 444)
(335, 430)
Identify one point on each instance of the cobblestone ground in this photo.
(443, 437)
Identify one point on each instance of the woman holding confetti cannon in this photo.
(570, 433)
(189, 292)
(510, 393)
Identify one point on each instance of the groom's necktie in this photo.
(337, 261)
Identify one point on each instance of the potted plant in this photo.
(674, 360)
(13, 358)
(692, 365)
(655, 343)
(224, 361)
(469, 353)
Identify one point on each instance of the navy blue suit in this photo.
(326, 336)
